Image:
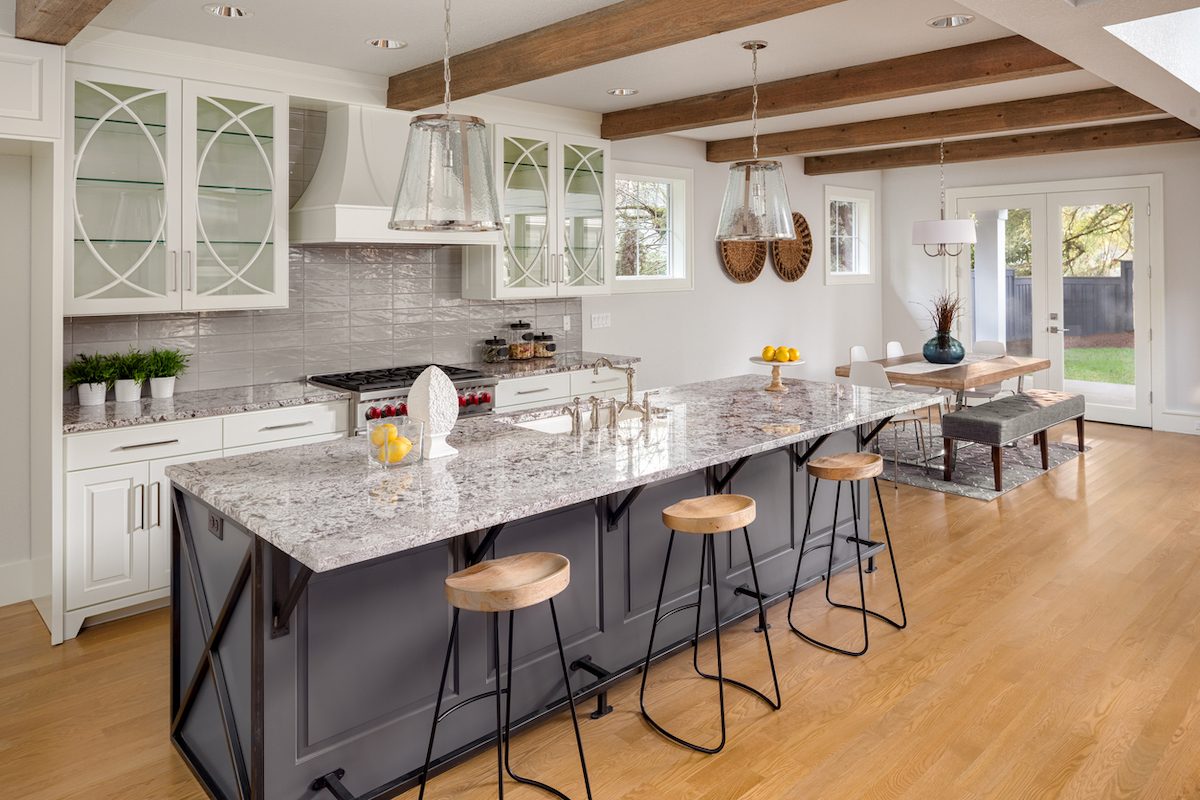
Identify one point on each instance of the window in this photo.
(653, 228)
(849, 224)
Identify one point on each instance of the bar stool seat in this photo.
(716, 513)
(707, 516)
(846, 466)
(493, 587)
(506, 584)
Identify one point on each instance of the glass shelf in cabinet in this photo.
(223, 189)
(120, 125)
(236, 133)
(110, 181)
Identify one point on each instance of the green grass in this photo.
(1100, 364)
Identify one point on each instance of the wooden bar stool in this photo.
(506, 584)
(850, 467)
(707, 516)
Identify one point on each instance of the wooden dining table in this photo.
(957, 378)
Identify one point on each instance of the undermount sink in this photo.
(562, 423)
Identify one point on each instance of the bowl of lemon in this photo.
(394, 442)
(775, 357)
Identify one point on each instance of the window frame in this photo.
(865, 199)
(681, 227)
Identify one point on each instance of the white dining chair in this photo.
(895, 350)
(858, 353)
(989, 391)
(872, 375)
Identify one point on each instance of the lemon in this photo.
(382, 454)
(383, 434)
(781, 354)
(768, 353)
(793, 354)
(398, 448)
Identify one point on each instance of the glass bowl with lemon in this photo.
(394, 442)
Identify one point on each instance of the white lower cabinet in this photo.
(521, 394)
(117, 539)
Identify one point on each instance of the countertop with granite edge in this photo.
(191, 405)
(328, 507)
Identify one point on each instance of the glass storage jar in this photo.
(543, 345)
(495, 350)
(520, 341)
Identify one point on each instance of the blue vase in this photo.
(943, 349)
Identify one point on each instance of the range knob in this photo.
(404, 409)
(462, 401)
(473, 399)
(484, 397)
(389, 411)
(374, 413)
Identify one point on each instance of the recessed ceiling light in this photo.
(228, 11)
(951, 21)
(622, 92)
(387, 44)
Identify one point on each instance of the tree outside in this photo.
(643, 228)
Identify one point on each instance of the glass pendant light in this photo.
(447, 183)
(756, 207)
(943, 233)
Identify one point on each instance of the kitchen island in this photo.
(308, 614)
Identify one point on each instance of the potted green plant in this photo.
(92, 377)
(130, 372)
(163, 367)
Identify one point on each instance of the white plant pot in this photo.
(162, 388)
(128, 391)
(91, 394)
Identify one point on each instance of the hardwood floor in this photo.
(1053, 650)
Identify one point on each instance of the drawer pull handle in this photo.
(287, 425)
(535, 391)
(609, 380)
(147, 444)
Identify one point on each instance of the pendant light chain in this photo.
(754, 103)
(942, 172)
(446, 58)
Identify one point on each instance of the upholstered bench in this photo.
(1008, 419)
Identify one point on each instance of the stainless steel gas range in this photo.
(377, 393)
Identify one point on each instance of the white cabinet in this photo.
(177, 195)
(117, 541)
(30, 89)
(520, 394)
(556, 198)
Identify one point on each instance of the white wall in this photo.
(912, 194)
(711, 331)
(15, 224)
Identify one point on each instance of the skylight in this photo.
(1169, 40)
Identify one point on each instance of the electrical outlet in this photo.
(601, 321)
(215, 526)
(566, 322)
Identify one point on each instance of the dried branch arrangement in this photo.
(943, 311)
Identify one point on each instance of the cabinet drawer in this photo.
(541, 390)
(142, 443)
(585, 384)
(279, 424)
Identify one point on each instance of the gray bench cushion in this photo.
(1010, 418)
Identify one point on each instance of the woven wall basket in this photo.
(744, 261)
(791, 257)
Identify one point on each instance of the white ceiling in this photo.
(844, 34)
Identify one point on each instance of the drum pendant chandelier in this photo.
(943, 233)
(447, 183)
(756, 207)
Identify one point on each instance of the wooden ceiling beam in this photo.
(977, 64)
(1054, 111)
(55, 21)
(1068, 140)
(615, 31)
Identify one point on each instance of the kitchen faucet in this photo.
(630, 372)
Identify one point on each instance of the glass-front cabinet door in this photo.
(235, 152)
(587, 218)
(528, 201)
(165, 220)
(124, 194)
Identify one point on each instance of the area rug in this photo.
(973, 475)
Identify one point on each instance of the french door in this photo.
(1064, 275)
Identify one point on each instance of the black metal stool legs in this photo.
(504, 716)
(708, 558)
(858, 542)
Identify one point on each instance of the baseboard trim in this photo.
(16, 582)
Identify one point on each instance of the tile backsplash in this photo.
(351, 307)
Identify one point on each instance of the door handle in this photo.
(156, 502)
(189, 271)
(139, 505)
(1056, 329)
(173, 273)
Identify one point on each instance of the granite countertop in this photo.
(327, 507)
(189, 405)
(562, 362)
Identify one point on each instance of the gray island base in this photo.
(309, 620)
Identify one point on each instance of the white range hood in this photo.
(349, 200)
